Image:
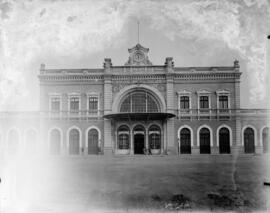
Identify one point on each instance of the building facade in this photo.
(138, 108)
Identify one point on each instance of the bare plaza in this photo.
(140, 184)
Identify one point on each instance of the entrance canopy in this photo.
(146, 116)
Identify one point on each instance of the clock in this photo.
(138, 56)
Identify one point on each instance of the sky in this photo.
(81, 33)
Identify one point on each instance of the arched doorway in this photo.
(224, 141)
(30, 141)
(74, 142)
(123, 137)
(249, 140)
(205, 141)
(93, 141)
(55, 142)
(185, 141)
(266, 140)
(13, 142)
(154, 139)
(139, 141)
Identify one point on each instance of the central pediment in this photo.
(138, 56)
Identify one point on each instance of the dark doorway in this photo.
(249, 140)
(224, 141)
(138, 143)
(185, 141)
(92, 141)
(205, 141)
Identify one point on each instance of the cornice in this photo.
(122, 76)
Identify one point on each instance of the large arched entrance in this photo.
(224, 141)
(266, 140)
(74, 142)
(139, 139)
(93, 141)
(144, 105)
(249, 144)
(55, 142)
(185, 141)
(205, 141)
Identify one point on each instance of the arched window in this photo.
(139, 101)
(185, 141)
(123, 137)
(30, 141)
(74, 142)
(154, 137)
(224, 141)
(55, 142)
(13, 142)
(93, 141)
(266, 140)
(249, 144)
(205, 141)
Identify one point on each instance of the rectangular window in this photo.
(55, 104)
(184, 102)
(223, 102)
(204, 102)
(74, 104)
(93, 104)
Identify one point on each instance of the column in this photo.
(171, 147)
(237, 145)
(131, 143)
(146, 141)
(108, 147)
(258, 145)
(162, 138)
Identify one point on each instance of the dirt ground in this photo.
(137, 184)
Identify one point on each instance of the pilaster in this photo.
(108, 146)
(171, 147)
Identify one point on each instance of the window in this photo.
(223, 102)
(55, 104)
(93, 103)
(123, 137)
(204, 102)
(184, 102)
(139, 101)
(124, 141)
(74, 104)
(154, 137)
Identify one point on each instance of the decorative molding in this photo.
(183, 92)
(203, 92)
(223, 91)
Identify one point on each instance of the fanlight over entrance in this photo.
(139, 102)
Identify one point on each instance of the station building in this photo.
(138, 108)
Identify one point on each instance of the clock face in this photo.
(138, 56)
